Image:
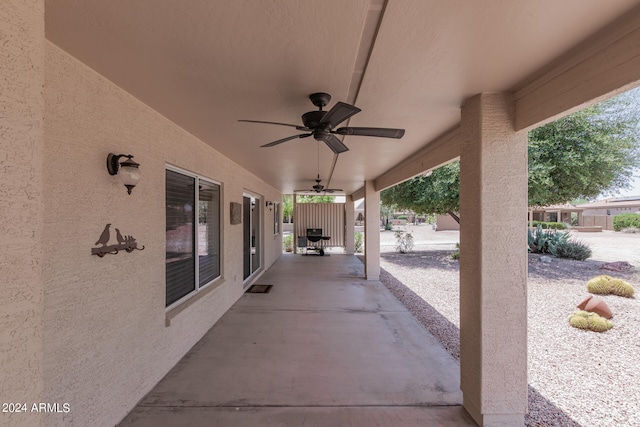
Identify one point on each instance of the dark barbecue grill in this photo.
(314, 235)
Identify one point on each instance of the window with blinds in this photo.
(208, 232)
(192, 228)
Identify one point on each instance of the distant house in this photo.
(446, 222)
(602, 212)
(558, 213)
(612, 206)
(593, 214)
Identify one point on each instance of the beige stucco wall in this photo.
(21, 150)
(106, 340)
(446, 222)
(604, 221)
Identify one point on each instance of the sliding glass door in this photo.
(251, 214)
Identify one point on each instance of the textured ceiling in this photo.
(205, 64)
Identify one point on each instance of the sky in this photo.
(632, 100)
(634, 190)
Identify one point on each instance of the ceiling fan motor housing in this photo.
(312, 118)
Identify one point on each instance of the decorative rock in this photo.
(584, 302)
(545, 259)
(617, 266)
(595, 305)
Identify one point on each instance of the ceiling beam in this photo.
(440, 151)
(370, 30)
(358, 194)
(605, 64)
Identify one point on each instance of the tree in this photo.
(386, 212)
(316, 199)
(438, 193)
(287, 208)
(580, 156)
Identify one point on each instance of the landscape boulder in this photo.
(617, 266)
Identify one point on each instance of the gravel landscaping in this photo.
(576, 377)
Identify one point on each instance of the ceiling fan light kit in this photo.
(320, 124)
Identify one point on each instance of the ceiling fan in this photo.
(319, 188)
(320, 124)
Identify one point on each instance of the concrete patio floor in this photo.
(323, 348)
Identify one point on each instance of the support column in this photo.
(349, 232)
(22, 208)
(293, 216)
(493, 262)
(371, 232)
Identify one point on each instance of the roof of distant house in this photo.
(613, 202)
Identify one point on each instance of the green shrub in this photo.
(402, 217)
(456, 255)
(358, 242)
(589, 321)
(557, 243)
(549, 225)
(404, 242)
(545, 241)
(605, 285)
(388, 226)
(572, 249)
(627, 220)
(287, 243)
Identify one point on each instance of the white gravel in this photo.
(576, 378)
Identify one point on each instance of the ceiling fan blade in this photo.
(276, 123)
(338, 114)
(289, 138)
(335, 144)
(380, 132)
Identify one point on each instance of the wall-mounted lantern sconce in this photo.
(270, 205)
(128, 170)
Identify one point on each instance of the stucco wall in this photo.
(446, 222)
(604, 221)
(21, 149)
(106, 341)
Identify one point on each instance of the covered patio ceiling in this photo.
(407, 64)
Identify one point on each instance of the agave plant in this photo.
(545, 241)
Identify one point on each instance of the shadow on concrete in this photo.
(540, 408)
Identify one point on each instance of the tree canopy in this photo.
(580, 156)
(438, 193)
(315, 199)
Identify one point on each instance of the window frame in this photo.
(198, 288)
(276, 218)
